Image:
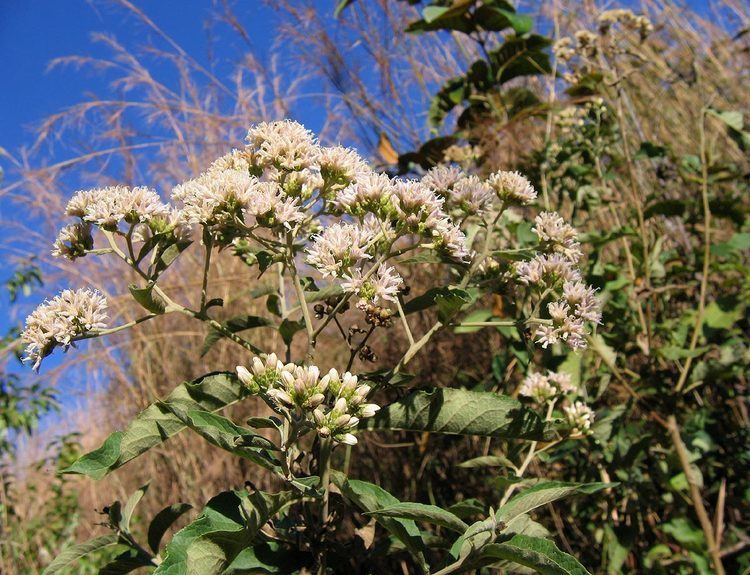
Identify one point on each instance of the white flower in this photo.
(107, 207)
(338, 248)
(61, 320)
(441, 179)
(271, 207)
(546, 270)
(213, 194)
(416, 204)
(73, 241)
(562, 381)
(566, 327)
(286, 145)
(537, 387)
(580, 416)
(558, 236)
(449, 238)
(238, 160)
(370, 192)
(582, 298)
(471, 195)
(384, 284)
(512, 187)
(340, 163)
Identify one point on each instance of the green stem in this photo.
(324, 468)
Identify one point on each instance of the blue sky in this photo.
(34, 32)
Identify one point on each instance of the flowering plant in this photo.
(335, 233)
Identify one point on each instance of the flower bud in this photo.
(245, 376)
(348, 439)
(315, 400)
(369, 409)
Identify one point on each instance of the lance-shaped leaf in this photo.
(543, 493)
(228, 524)
(75, 552)
(461, 412)
(539, 554)
(422, 512)
(223, 433)
(163, 521)
(235, 325)
(370, 498)
(156, 424)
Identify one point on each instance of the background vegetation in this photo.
(635, 133)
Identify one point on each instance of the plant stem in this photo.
(695, 495)
(529, 458)
(324, 468)
(206, 267)
(706, 255)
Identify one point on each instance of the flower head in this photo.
(384, 284)
(341, 165)
(61, 320)
(73, 241)
(557, 236)
(512, 187)
(537, 387)
(580, 417)
(285, 145)
(271, 207)
(338, 248)
(370, 193)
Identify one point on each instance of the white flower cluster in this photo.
(555, 267)
(109, 208)
(61, 320)
(333, 404)
(543, 388)
(580, 417)
(375, 286)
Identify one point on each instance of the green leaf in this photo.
(228, 524)
(126, 562)
(235, 325)
(475, 537)
(147, 298)
(127, 511)
(74, 552)
(539, 554)
(422, 512)
(460, 412)
(331, 290)
(449, 301)
(221, 432)
(169, 253)
(163, 521)
(156, 424)
(543, 493)
(723, 313)
(488, 461)
(496, 19)
(267, 559)
(288, 328)
(369, 498)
